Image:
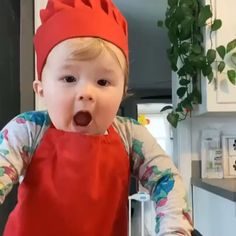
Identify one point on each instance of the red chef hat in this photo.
(64, 19)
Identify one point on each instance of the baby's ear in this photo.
(38, 88)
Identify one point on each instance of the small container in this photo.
(214, 166)
(211, 154)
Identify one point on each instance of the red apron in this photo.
(76, 185)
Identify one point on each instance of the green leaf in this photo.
(187, 103)
(231, 45)
(167, 22)
(196, 48)
(186, 2)
(233, 58)
(196, 96)
(198, 61)
(160, 23)
(173, 37)
(210, 77)
(186, 69)
(184, 47)
(179, 108)
(166, 108)
(221, 51)
(173, 67)
(207, 70)
(173, 57)
(221, 66)
(184, 82)
(216, 25)
(181, 91)
(185, 28)
(198, 37)
(172, 3)
(179, 15)
(173, 119)
(232, 76)
(205, 13)
(211, 55)
(182, 71)
(189, 68)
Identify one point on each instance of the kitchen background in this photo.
(151, 81)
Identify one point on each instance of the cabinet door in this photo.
(219, 96)
(37, 6)
(213, 215)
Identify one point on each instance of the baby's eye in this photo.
(69, 79)
(103, 82)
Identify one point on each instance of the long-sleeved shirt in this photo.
(154, 169)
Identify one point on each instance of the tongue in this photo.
(82, 118)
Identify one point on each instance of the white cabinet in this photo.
(213, 215)
(37, 6)
(221, 95)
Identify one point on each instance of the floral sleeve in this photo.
(18, 140)
(157, 173)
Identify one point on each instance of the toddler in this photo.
(77, 156)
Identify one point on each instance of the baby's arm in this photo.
(157, 173)
(159, 176)
(8, 176)
(18, 140)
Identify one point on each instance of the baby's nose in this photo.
(86, 93)
(86, 97)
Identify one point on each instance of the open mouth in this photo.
(82, 118)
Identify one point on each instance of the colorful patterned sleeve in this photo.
(157, 173)
(18, 140)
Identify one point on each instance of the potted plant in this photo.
(185, 21)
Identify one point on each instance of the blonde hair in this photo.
(92, 47)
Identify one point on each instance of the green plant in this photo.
(185, 21)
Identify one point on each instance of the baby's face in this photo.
(82, 95)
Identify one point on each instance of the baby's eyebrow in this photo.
(66, 66)
(83, 55)
(106, 70)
